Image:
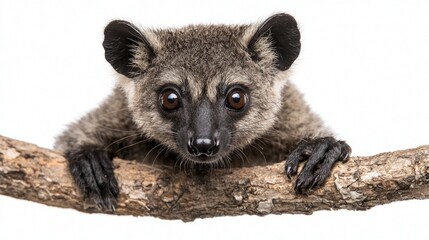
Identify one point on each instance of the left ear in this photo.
(124, 44)
(282, 32)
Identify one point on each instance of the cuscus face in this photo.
(204, 91)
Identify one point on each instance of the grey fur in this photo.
(200, 59)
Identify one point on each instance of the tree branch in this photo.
(41, 175)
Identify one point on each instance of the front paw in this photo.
(92, 171)
(321, 155)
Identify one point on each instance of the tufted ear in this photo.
(126, 48)
(282, 32)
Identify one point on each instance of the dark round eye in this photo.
(236, 99)
(170, 99)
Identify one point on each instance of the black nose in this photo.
(203, 146)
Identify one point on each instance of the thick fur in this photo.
(203, 61)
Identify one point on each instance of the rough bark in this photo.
(41, 175)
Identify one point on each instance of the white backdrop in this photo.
(363, 68)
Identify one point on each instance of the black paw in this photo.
(92, 171)
(321, 155)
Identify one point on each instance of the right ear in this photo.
(123, 43)
(283, 33)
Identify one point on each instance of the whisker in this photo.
(263, 131)
(227, 162)
(258, 145)
(133, 144)
(239, 152)
(263, 155)
(120, 130)
(121, 139)
(147, 154)
(163, 148)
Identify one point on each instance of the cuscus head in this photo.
(204, 91)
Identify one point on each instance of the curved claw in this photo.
(92, 171)
(318, 181)
(346, 151)
(301, 153)
(291, 171)
(322, 154)
(302, 185)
